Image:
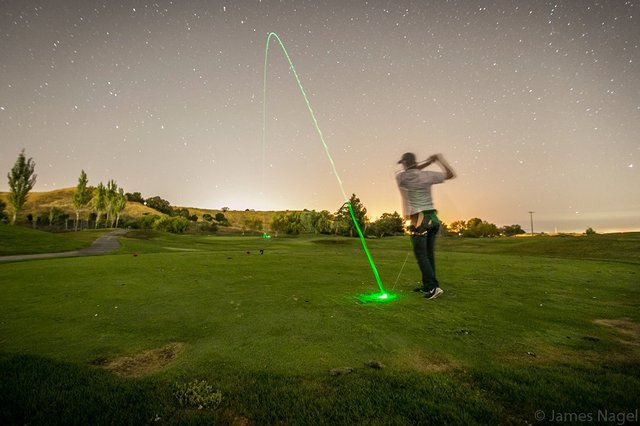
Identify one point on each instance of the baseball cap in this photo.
(408, 158)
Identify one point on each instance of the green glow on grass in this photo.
(324, 144)
(382, 297)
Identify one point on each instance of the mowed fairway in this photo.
(525, 326)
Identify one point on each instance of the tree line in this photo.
(105, 204)
(342, 223)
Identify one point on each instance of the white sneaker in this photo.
(435, 293)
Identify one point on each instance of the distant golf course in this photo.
(529, 330)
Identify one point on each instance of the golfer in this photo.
(417, 205)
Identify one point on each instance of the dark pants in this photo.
(424, 241)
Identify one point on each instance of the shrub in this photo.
(206, 227)
(148, 221)
(162, 223)
(179, 224)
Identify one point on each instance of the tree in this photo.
(345, 220)
(289, 223)
(21, 181)
(81, 196)
(512, 230)
(458, 226)
(136, 197)
(110, 199)
(279, 223)
(323, 222)
(473, 222)
(53, 215)
(221, 219)
(160, 204)
(590, 231)
(119, 203)
(100, 202)
(477, 227)
(317, 222)
(388, 224)
(182, 212)
(3, 216)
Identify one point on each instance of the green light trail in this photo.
(306, 100)
(383, 295)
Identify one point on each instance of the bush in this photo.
(177, 224)
(197, 394)
(3, 215)
(206, 227)
(147, 222)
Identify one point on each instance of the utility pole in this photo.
(531, 215)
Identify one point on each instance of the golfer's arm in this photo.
(449, 173)
(426, 163)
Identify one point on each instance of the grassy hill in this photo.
(24, 240)
(62, 199)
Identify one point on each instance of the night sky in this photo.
(535, 104)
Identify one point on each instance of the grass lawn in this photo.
(21, 240)
(525, 326)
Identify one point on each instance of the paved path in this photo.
(102, 245)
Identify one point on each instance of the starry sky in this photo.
(535, 104)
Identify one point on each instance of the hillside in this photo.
(62, 199)
(236, 218)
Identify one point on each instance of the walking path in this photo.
(102, 245)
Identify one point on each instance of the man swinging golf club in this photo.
(417, 205)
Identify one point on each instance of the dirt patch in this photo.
(144, 363)
(626, 327)
(422, 361)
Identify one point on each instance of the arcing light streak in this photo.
(306, 100)
(382, 295)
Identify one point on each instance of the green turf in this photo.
(22, 240)
(515, 331)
